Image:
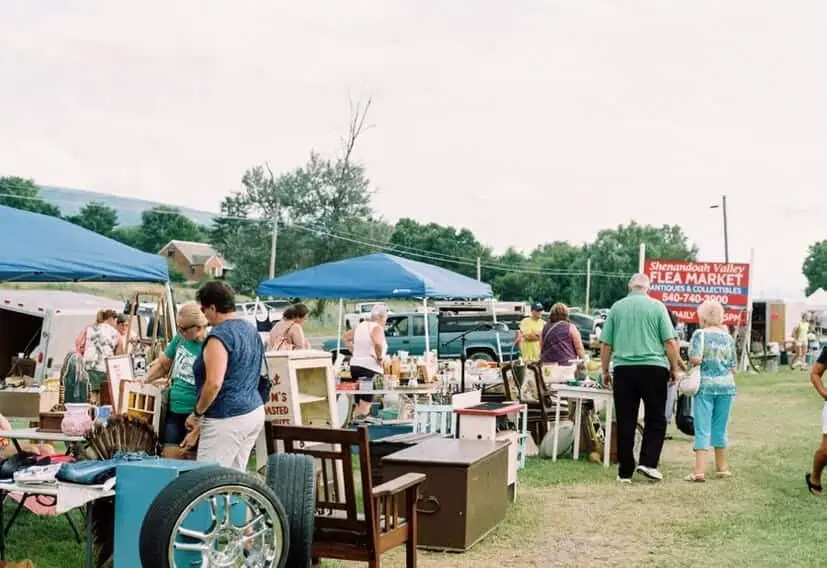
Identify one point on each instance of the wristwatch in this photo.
(196, 413)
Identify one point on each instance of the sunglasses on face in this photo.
(186, 329)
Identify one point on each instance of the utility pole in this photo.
(588, 282)
(722, 206)
(726, 232)
(275, 223)
(273, 247)
(479, 269)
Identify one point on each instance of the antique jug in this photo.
(78, 420)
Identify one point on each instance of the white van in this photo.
(43, 325)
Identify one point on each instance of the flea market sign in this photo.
(684, 285)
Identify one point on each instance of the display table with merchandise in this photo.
(580, 394)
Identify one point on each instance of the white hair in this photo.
(711, 313)
(639, 282)
(378, 311)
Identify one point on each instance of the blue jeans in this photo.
(711, 419)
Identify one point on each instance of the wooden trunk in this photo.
(387, 446)
(465, 494)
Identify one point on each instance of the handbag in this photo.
(684, 418)
(264, 382)
(265, 325)
(689, 385)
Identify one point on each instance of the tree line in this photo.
(324, 212)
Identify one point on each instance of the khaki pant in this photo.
(229, 442)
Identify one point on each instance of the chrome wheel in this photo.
(229, 526)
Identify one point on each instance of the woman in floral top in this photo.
(102, 342)
(713, 348)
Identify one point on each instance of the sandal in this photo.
(812, 487)
(695, 477)
(723, 474)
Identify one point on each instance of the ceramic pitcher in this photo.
(78, 420)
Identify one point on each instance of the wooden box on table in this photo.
(465, 495)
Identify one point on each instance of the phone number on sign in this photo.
(680, 298)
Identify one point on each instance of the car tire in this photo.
(481, 355)
(183, 493)
(292, 477)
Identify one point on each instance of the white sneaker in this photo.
(650, 472)
(624, 480)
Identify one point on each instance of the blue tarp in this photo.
(373, 277)
(39, 248)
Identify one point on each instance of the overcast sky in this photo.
(526, 122)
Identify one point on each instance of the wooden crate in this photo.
(143, 401)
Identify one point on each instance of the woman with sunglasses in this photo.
(179, 356)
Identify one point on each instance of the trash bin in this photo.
(771, 364)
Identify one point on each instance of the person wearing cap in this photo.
(639, 338)
(177, 363)
(531, 330)
(368, 346)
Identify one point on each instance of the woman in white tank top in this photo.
(368, 347)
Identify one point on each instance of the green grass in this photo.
(574, 514)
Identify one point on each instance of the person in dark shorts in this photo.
(368, 344)
(177, 361)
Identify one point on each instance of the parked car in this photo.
(588, 327)
(406, 332)
(262, 310)
(361, 313)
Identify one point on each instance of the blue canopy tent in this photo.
(40, 248)
(375, 276)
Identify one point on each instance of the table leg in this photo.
(556, 431)
(607, 444)
(578, 416)
(90, 561)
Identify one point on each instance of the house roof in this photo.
(195, 253)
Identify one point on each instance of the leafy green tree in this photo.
(615, 253)
(815, 267)
(24, 194)
(322, 208)
(97, 217)
(448, 247)
(130, 236)
(162, 224)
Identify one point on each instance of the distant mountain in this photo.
(71, 201)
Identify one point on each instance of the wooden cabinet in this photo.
(465, 495)
(302, 393)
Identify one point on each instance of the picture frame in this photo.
(119, 370)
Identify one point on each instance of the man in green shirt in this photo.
(639, 338)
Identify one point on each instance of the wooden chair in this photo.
(540, 411)
(340, 531)
(435, 419)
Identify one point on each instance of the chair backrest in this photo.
(332, 450)
(434, 419)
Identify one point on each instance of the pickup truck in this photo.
(406, 332)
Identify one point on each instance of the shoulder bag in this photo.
(690, 384)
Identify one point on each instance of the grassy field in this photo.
(574, 514)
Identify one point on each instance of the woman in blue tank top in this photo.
(229, 412)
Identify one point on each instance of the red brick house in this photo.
(195, 260)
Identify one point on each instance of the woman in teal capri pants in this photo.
(713, 348)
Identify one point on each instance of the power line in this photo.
(402, 250)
